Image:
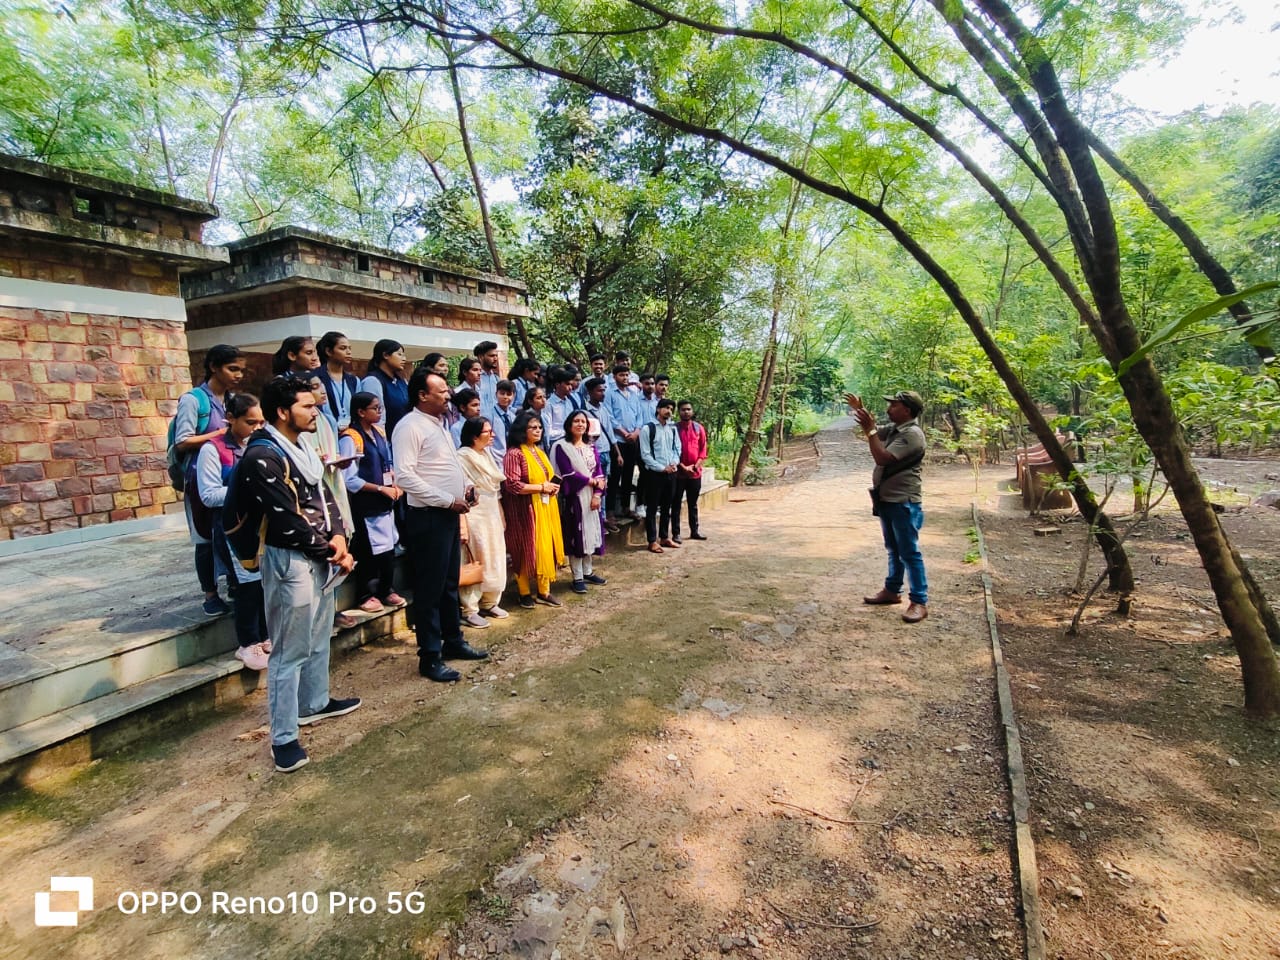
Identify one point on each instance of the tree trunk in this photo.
(763, 388)
(1098, 248)
(477, 184)
(1209, 265)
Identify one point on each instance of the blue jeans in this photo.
(299, 619)
(900, 523)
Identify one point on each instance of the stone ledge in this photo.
(97, 184)
(198, 290)
(170, 250)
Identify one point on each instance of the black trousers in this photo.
(250, 613)
(618, 493)
(690, 488)
(437, 553)
(660, 493)
(373, 573)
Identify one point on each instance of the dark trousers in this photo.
(437, 553)
(250, 613)
(373, 571)
(660, 491)
(690, 488)
(205, 569)
(216, 558)
(618, 494)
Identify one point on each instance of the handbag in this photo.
(472, 571)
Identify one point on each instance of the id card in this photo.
(388, 478)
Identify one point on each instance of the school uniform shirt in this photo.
(339, 395)
(659, 446)
(607, 438)
(557, 412)
(501, 421)
(392, 394)
(488, 389)
(627, 412)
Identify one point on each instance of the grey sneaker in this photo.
(474, 620)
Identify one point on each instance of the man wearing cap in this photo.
(898, 450)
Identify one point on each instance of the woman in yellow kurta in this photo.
(534, 538)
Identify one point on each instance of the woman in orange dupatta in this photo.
(534, 537)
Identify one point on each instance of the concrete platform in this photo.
(102, 632)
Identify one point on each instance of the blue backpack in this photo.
(176, 463)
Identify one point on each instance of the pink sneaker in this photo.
(372, 605)
(254, 657)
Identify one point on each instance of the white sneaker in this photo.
(640, 513)
(254, 657)
(496, 612)
(474, 620)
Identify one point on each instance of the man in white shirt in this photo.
(437, 494)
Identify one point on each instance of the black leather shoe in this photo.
(696, 536)
(439, 671)
(464, 651)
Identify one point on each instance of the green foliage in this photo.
(1259, 332)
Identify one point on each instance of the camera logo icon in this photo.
(82, 887)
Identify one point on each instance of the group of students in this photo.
(344, 471)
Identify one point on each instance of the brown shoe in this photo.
(654, 548)
(915, 613)
(670, 543)
(883, 597)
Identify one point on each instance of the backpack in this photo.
(176, 463)
(245, 525)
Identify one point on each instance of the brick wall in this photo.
(53, 263)
(85, 399)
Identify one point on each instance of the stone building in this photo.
(295, 282)
(93, 348)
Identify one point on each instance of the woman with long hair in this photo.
(534, 538)
(485, 538)
(370, 480)
(436, 363)
(214, 464)
(201, 416)
(340, 386)
(296, 355)
(582, 485)
(388, 380)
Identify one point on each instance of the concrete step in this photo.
(102, 654)
(64, 724)
(94, 727)
(37, 687)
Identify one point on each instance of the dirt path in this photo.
(658, 771)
